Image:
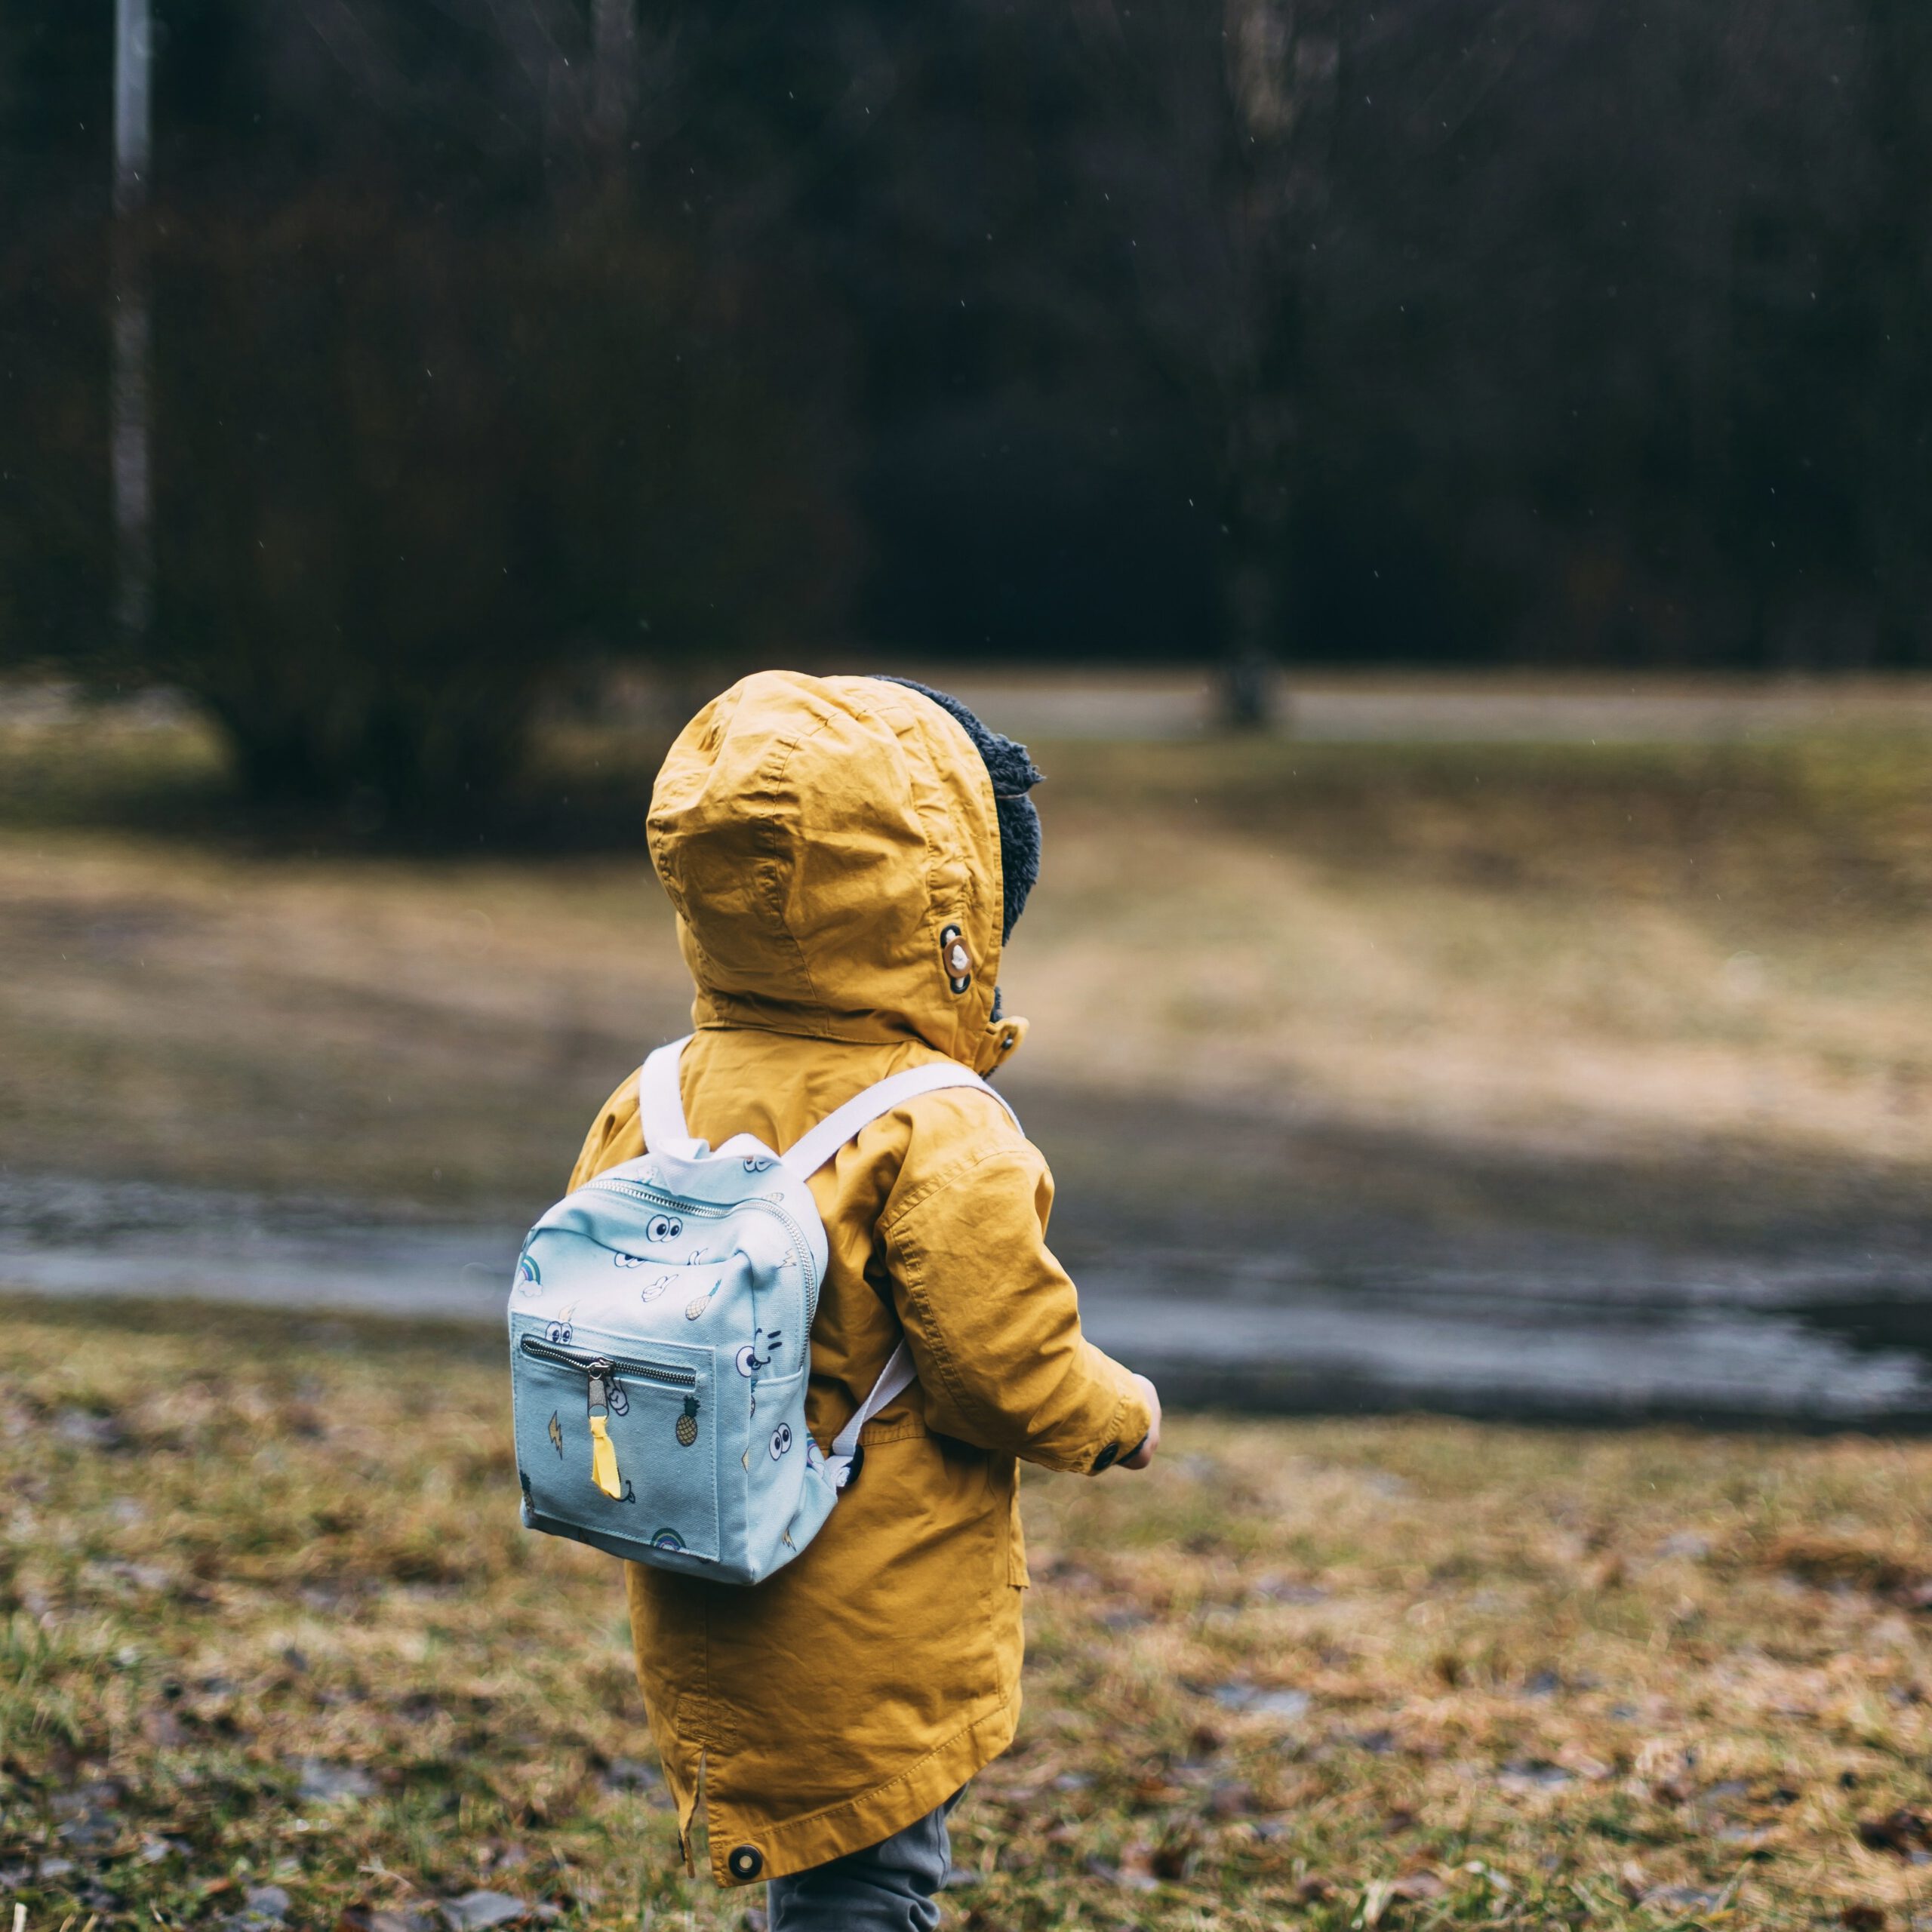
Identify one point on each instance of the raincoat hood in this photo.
(832, 847)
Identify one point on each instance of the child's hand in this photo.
(1151, 1442)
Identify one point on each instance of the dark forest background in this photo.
(492, 338)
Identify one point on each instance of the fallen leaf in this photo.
(1417, 1886)
(473, 1911)
(1256, 1701)
(322, 1783)
(1686, 1544)
(1681, 1898)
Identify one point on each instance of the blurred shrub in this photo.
(407, 472)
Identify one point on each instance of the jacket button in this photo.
(1105, 1459)
(745, 1861)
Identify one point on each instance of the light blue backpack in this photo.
(659, 1343)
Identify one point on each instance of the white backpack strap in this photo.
(805, 1156)
(894, 1379)
(660, 1105)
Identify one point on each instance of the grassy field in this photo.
(1671, 954)
(275, 1649)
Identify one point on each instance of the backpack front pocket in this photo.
(621, 1446)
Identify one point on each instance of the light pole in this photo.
(133, 534)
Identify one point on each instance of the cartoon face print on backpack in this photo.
(559, 1331)
(781, 1440)
(750, 1362)
(660, 1228)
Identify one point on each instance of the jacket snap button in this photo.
(746, 1861)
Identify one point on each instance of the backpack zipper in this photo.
(595, 1365)
(657, 1198)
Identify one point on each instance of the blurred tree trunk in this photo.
(128, 269)
(1214, 129)
(1898, 261)
(1282, 60)
(613, 55)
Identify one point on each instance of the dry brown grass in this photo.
(1543, 947)
(272, 1623)
(1556, 950)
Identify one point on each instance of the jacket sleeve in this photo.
(993, 1321)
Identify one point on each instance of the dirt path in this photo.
(1324, 709)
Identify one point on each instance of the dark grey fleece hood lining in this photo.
(1013, 774)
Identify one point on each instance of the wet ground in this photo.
(1253, 1264)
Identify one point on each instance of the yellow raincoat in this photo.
(817, 836)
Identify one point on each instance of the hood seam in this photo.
(821, 718)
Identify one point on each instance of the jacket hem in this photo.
(853, 1824)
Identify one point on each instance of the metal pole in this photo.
(128, 403)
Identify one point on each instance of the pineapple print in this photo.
(687, 1423)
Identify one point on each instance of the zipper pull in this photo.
(603, 1451)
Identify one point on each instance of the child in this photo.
(848, 857)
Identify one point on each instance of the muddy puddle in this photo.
(1368, 1310)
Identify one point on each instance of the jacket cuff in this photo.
(1127, 1428)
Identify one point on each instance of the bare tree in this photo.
(1223, 126)
(614, 43)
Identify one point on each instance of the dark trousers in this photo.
(887, 1887)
